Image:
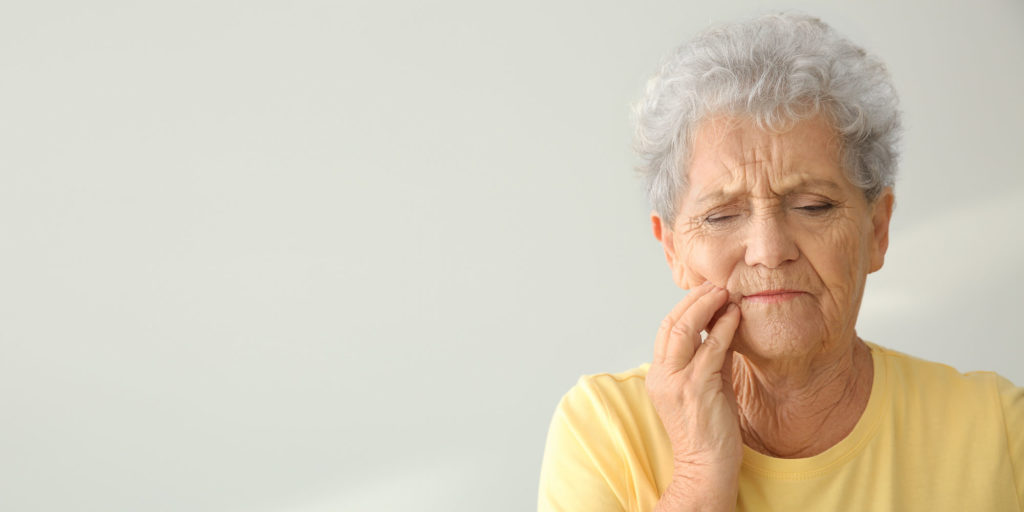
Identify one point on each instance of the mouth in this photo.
(773, 296)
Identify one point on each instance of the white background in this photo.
(312, 256)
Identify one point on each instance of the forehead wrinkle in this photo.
(787, 183)
(739, 161)
(762, 160)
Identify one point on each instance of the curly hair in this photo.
(776, 69)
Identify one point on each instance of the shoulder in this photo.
(973, 418)
(936, 388)
(606, 395)
(611, 414)
(612, 383)
(596, 432)
(612, 397)
(911, 374)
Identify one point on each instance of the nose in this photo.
(769, 242)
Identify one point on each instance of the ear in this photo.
(665, 235)
(880, 217)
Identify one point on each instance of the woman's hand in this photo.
(694, 399)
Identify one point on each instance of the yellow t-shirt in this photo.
(930, 439)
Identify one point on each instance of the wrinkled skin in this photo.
(788, 218)
(764, 211)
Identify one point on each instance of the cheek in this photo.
(706, 259)
(841, 261)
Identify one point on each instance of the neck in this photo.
(802, 407)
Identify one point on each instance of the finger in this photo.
(711, 354)
(684, 337)
(661, 340)
(727, 366)
(714, 318)
(727, 363)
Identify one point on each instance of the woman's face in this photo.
(773, 219)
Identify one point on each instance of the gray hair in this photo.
(776, 69)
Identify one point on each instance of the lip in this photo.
(772, 296)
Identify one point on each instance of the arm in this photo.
(580, 470)
(1012, 400)
(585, 459)
(696, 404)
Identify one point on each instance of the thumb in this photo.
(711, 355)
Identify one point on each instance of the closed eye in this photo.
(816, 208)
(719, 219)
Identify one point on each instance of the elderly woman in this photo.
(770, 150)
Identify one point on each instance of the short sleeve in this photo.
(581, 470)
(1012, 399)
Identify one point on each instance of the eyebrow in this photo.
(719, 195)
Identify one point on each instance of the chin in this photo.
(776, 339)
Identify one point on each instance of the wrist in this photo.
(705, 491)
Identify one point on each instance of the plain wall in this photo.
(311, 256)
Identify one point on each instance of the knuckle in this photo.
(682, 329)
(666, 323)
(713, 342)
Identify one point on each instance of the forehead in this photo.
(733, 156)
